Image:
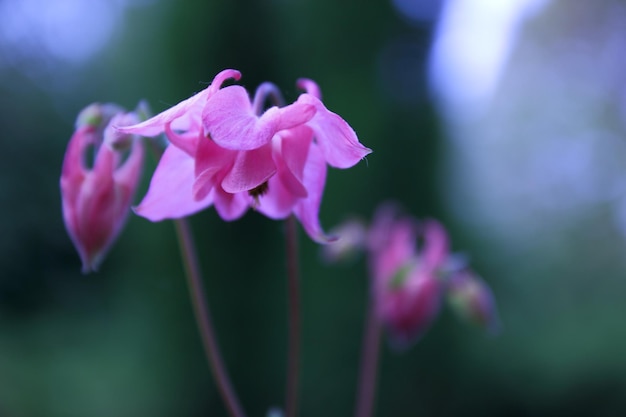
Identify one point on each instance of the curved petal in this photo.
(211, 164)
(229, 119)
(73, 171)
(222, 76)
(127, 175)
(278, 202)
(338, 142)
(436, 244)
(170, 194)
(99, 210)
(186, 111)
(291, 149)
(307, 209)
(310, 87)
(250, 169)
(100, 217)
(230, 206)
(187, 141)
(113, 137)
(156, 125)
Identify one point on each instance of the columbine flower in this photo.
(405, 285)
(226, 151)
(96, 200)
(409, 281)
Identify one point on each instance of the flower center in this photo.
(258, 191)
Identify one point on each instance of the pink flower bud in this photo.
(96, 199)
(473, 300)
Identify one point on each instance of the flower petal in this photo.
(186, 141)
(409, 311)
(310, 87)
(338, 142)
(230, 206)
(222, 76)
(73, 171)
(170, 194)
(291, 148)
(127, 175)
(307, 209)
(156, 125)
(436, 244)
(250, 169)
(230, 121)
(278, 202)
(211, 164)
(186, 109)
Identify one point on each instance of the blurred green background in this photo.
(523, 164)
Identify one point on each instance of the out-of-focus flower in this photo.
(406, 286)
(227, 151)
(96, 199)
(472, 299)
(411, 270)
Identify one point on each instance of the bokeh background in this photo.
(504, 119)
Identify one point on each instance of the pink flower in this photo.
(408, 280)
(96, 200)
(227, 152)
(405, 282)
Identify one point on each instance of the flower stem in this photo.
(369, 362)
(293, 295)
(203, 318)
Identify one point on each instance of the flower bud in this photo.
(96, 199)
(473, 300)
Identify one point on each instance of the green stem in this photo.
(293, 295)
(203, 318)
(369, 362)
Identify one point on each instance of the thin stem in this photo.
(369, 362)
(203, 318)
(293, 294)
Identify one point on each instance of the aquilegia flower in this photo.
(227, 151)
(409, 281)
(405, 281)
(96, 199)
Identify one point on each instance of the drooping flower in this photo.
(226, 150)
(406, 287)
(96, 199)
(411, 272)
